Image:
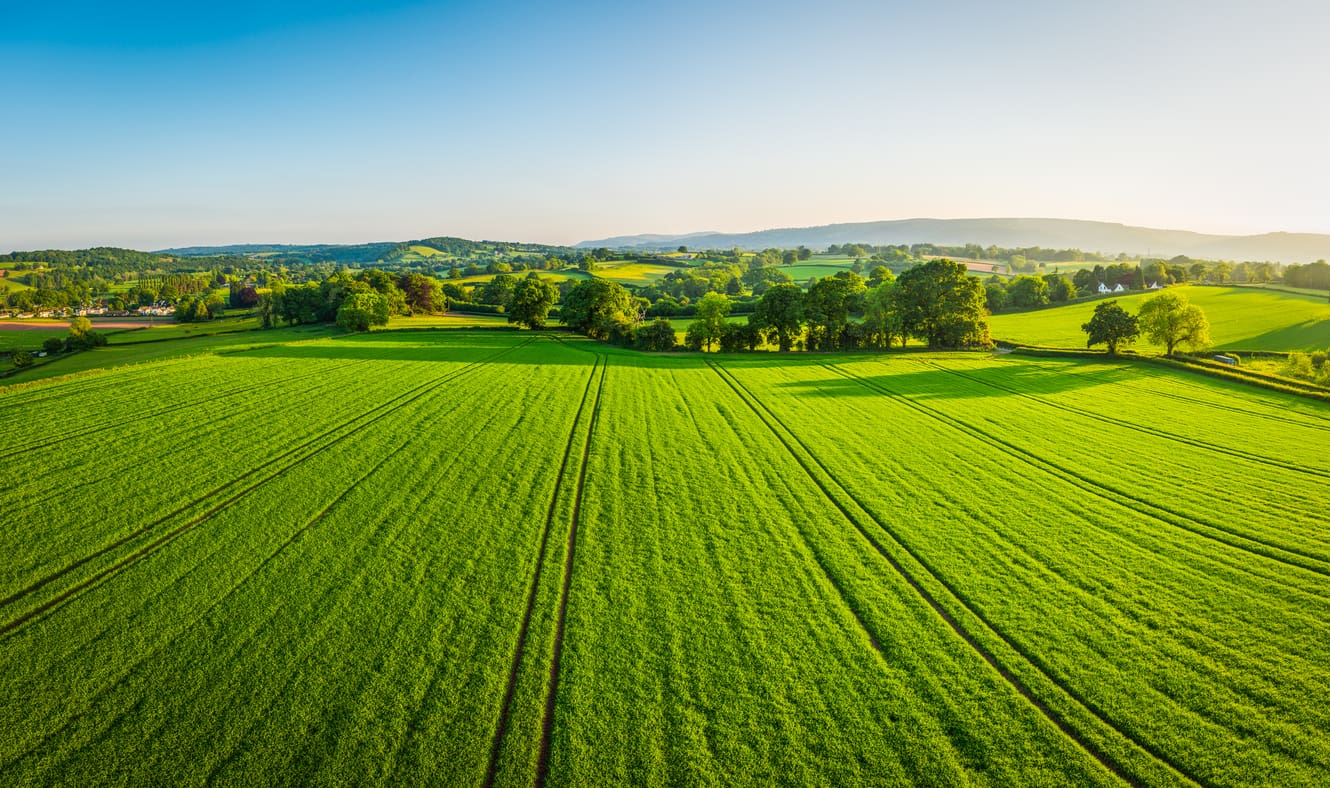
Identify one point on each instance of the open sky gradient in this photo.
(157, 124)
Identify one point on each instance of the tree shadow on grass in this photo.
(530, 348)
(1305, 336)
(920, 382)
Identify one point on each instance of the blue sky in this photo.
(156, 124)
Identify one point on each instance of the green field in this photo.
(495, 557)
(1240, 318)
(634, 274)
(447, 320)
(8, 284)
(123, 353)
(549, 276)
(31, 339)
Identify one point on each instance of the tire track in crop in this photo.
(230, 592)
(41, 498)
(1252, 545)
(384, 410)
(547, 726)
(1230, 539)
(505, 710)
(1148, 430)
(1106, 759)
(477, 429)
(73, 384)
(1266, 416)
(215, 397)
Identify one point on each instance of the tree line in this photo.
(937, 303)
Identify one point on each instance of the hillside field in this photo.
(1240, 318)
(496, 557)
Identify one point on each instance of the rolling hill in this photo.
(1240, 318)
(1104, 237)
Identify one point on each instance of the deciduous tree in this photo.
(531, 302)
(1170, 320)
(781, 310)
(940, 303)
(1110, 325)
(710, 323)
(595, 306)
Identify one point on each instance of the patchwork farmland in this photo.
(506, 558)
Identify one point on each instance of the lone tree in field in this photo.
(531, 301)
(1111, 325)
(1169, 320)
(781, 310)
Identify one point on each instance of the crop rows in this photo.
(492, 559)
(1170, 636)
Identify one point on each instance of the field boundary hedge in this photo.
(1240, 375)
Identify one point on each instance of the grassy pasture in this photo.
(334, 559)
(24, 338)
(1240, 317)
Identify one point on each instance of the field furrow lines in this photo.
(230, 593)
(1231, 538)
(505, 559)
(212, 398)
(314, 445)
(1309, 422)
(1096, 749)
(1129, 425)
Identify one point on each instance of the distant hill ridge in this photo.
(1104, 237)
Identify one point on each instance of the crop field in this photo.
(507, 558)
(1240, 318)
(8, 284)
(634, 274)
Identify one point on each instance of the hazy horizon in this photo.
(152, 125)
